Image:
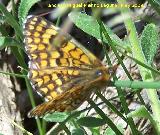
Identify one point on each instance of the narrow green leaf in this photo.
(56, 117)
(109, 131)
(11, 21)
(24, 8)
(8, 41)
(91, 122)
(90, 25)
(149, 42)
(77, 131)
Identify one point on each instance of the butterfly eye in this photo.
(111, 70)
(98, 73)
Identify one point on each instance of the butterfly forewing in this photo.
(63, 71)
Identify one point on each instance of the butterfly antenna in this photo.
(43, 14)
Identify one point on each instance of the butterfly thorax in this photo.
(96, 77)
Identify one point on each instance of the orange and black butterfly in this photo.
(62, 71)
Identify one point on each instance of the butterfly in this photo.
(60, 69)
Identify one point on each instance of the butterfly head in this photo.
(105, 74)
(100, 76)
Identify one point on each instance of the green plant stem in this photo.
(146, 74)
(13, 74)
(137, 84)
(66, 130)
(33, 104)
(44, 124)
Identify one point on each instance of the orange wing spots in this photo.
(65, 55)
(27, 33)
(49, 97)
(29, 40)
(35, 19)
(44, 63)
(70, 72)
(85, 59)
(53, 94)
(37, 40)
(53, 63)
(41, 73)
(47, 71)
(33, 56)
(58, 82)
(45, 41)
(51, 31)
(77, 62)
(44, 90)
(50, 86)
(34, 73)
(76, 53)
(43, 55)
(54, 76)
(32, 47)
(39, 82)
(79, 51)
(46, 35)
(46, 78)
(43, 23)
(75, 72)
(30, 27)
(33, 22)
(64, 72)
(55, 54)
(64, 62)
(39, 28)
(68, 47)
(41, 47)
(36, 34)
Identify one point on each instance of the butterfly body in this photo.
(60, 69)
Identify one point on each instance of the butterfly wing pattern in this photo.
(62, 71)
